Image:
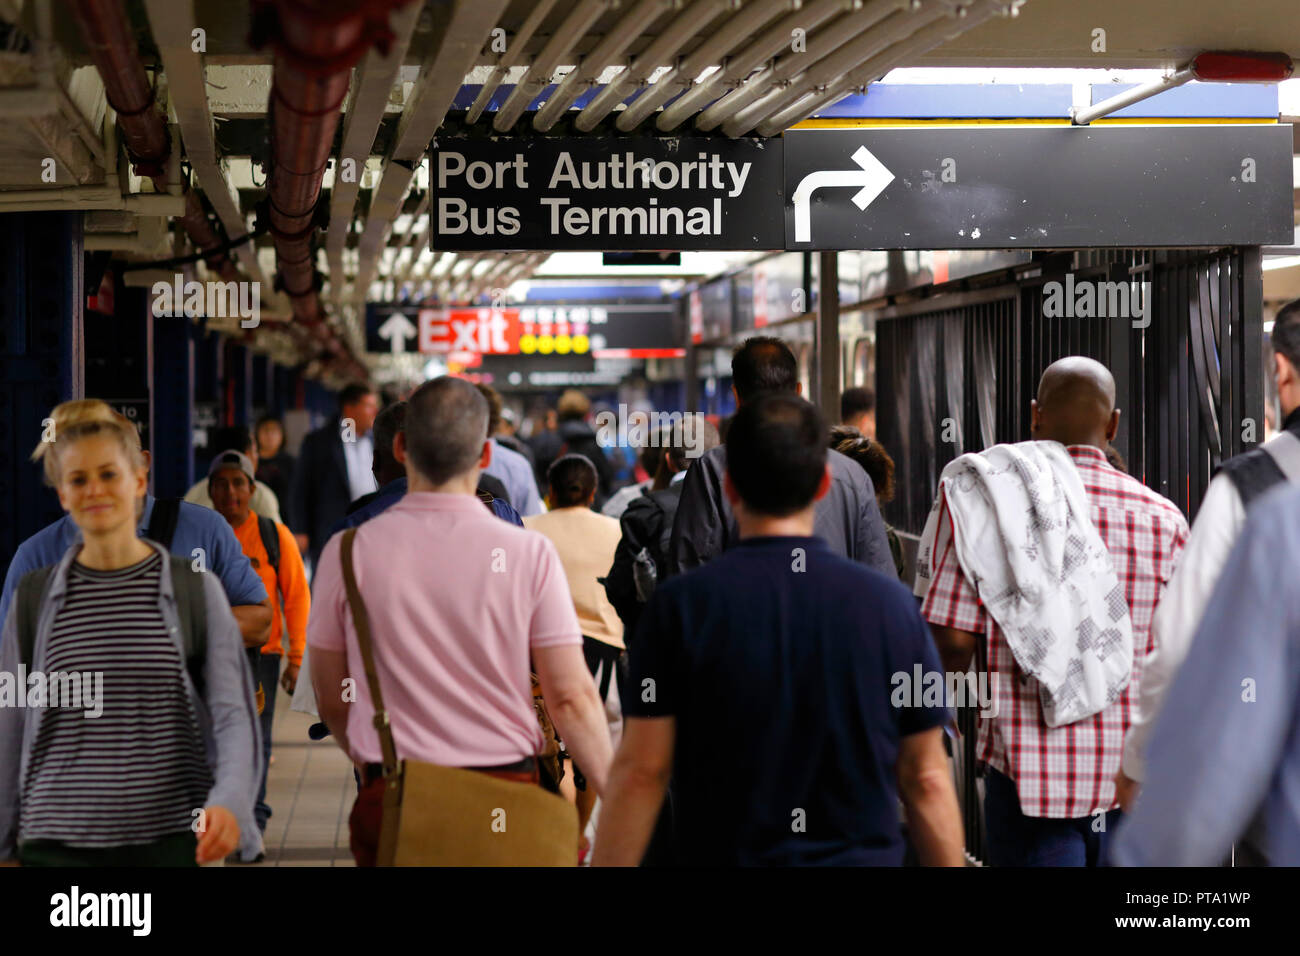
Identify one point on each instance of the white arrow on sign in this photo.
(397, 328)
(873, 177)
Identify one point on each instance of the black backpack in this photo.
(191, 608)
(641, 559)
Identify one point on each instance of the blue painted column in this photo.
(238, 382)
(262, 390)
(42, 305)
(173, 406)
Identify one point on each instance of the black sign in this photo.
(392, 328)
(1038, 187)
(641, 259)
(601, 193)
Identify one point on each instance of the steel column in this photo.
(826, 380)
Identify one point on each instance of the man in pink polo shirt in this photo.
(458, 602)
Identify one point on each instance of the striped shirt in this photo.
(138, 771)
(1069, 771)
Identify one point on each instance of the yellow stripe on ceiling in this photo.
(1152, 121)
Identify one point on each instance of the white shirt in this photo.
(359, 456)
(1179, 612)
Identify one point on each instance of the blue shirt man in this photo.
(391, 493)
(196, 528)
(1224, 756)
(513, 471)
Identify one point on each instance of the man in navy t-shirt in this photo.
(762, 683)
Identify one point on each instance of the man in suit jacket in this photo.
(334, 467)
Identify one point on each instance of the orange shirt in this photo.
(293, 583)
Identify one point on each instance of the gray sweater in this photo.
(227, 711)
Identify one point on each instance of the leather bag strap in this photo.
(361, 621)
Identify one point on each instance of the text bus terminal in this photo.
(617, 171)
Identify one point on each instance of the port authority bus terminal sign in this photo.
(595, 194)
(1011, 187)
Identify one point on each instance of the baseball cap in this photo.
(231, 457)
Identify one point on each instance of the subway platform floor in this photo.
(310, 789)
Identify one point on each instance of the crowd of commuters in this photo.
(739, 629)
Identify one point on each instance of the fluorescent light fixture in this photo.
(1280, 262)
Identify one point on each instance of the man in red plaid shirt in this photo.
(1049, 791)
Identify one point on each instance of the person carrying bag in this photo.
(447, 816)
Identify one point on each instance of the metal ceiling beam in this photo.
(734, 31)
(927, 38)
(372, 84)
(663, 50)
(512, 55)
(838, 42)
(172, 23)
(893, 28)
(440, 80)
(562, 41)
(738, 66)
(608, 51)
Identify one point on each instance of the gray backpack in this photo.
(191, 607)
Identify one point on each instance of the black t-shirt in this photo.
(779, 660)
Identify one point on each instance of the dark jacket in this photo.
(546, 447)
(579, 439)
(1254, 472)
(320, 493)
(277, 474)
(647, 523)
(847, 518)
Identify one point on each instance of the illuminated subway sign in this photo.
(585, 194)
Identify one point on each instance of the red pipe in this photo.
(317, 42)
(111, 42)
(108, 36)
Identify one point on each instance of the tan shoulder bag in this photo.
(446, 816)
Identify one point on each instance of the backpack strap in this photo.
(27, 600)
(271, 543)
(1284, 449)
(162, 522)
(192, 609)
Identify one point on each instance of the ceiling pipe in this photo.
(664, 48)
(725, 39)
(538, 75)
(316, 43)
(836, 43)
(926, 39)
(113, 48)
(766, 45)
(508, 59)
(610, 48)
(896, 28)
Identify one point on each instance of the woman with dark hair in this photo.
(875, 461)
(274, 463)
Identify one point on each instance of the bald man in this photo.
(1049, 791)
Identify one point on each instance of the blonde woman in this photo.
(152, 758)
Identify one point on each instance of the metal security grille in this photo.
(957, 372)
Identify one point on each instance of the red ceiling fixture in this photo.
(1241, 67)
